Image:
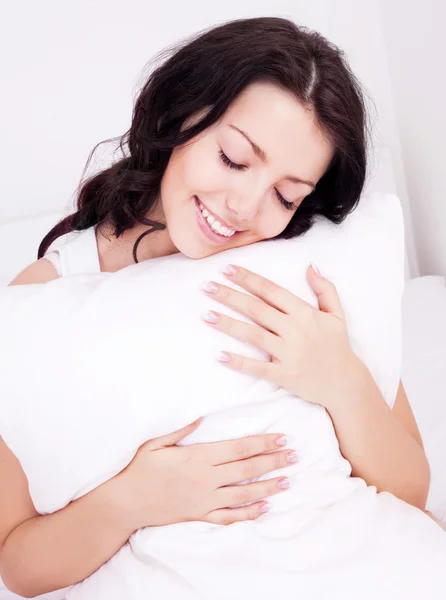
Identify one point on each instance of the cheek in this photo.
(196, 169)
(272, 224)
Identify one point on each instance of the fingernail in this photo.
(283, 483)
(224, 357)
(211, 317)
(316, 270)
(264, 508)
(292, 457)
(211, 287)
(230, 270)
(281, 441)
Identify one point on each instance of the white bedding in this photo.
(329, 536)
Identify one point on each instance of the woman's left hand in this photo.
(309, 349)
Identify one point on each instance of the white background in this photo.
(71, 71)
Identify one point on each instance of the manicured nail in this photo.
(211, 287)
(230, 270)
(292, 457)
(264, 508)
(281, 441)
(211, 317)
(283, 483)
(224, 357)
(316, 270)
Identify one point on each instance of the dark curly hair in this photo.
(208, 72)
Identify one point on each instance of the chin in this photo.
(195, 254)
(201, 251)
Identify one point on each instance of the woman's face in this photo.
(242, 180)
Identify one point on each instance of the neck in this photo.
(117, 253)
(153, 245)
(157, 243)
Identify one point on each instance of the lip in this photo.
(206, 228)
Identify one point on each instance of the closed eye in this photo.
(232, 165)
(288, 205)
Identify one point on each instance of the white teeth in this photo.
(215, 223)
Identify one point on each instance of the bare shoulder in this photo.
(40, 271)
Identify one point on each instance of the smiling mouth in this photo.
(213, 227)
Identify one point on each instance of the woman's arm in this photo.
(383, 445)
(39, 554)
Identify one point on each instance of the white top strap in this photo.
(54, 259)
(78, 254)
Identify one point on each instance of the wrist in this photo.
(118, 496)
(352, 387)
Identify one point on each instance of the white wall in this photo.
(72, 71)
(414, 34)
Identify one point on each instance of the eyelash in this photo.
(232, 165)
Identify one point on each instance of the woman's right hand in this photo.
(165, 483)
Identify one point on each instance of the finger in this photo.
(275, 295)
(246, 447)
(173, 438)
(325, 290)
(227, 516)
(253, 467)
(268, 371)
(235, 495)
(254, 308)
(245, 332)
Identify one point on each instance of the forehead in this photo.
(287, 131)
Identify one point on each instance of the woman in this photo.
(243, 134)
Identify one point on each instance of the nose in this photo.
(244, 206)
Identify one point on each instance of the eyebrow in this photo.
(261, 154)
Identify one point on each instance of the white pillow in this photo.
(94, 365)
